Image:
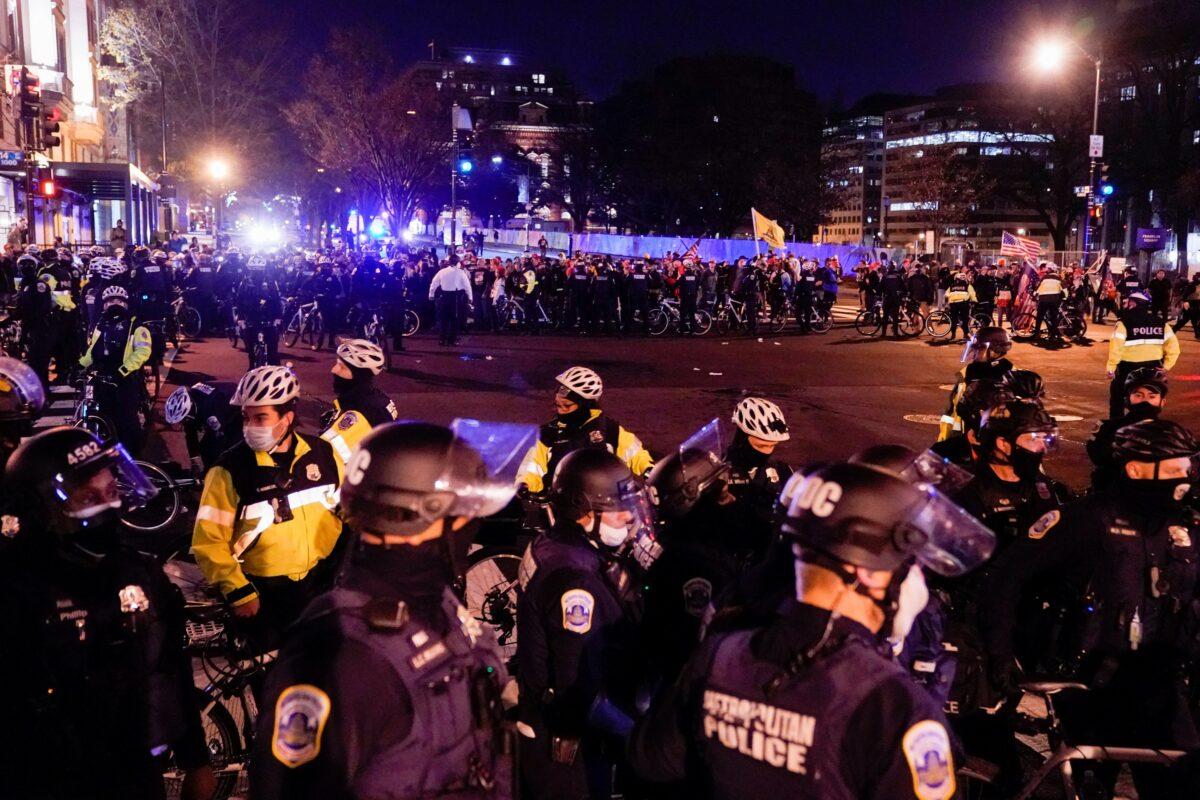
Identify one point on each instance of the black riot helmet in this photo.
(1027, 384)
(1150, 377)
(1014, 418)
(924, 468)
(865, 517)
(1153, 440)
(594, 481)
(989, 342)
(697, 467)
(405, 476)
(980, 397)
(22, 399)
(67, 481)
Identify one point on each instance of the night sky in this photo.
(842, 49)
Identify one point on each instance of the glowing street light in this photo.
(218, 169)
(497, 160)
(1049, 55)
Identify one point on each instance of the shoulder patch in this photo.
(347, 421)
(596, 436)
(1179, 536)
(1044, 523)
(300, 716)
(577, 608)
(312, 472)
(927, 751)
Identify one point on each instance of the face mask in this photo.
(1151, 494)
(262, 438)
(341, 385)
(1143, 411)
(1026, 463)
(575, 418)
(743, 456)
(611, 535)
(914, 596)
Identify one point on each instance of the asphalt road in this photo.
(840, 392)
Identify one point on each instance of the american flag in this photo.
(1011, 245)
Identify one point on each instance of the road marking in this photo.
(1067, 418)
(923, 419)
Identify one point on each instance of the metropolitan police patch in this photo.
(1044, 523)
(300, 716)
(347, 421)
(697, 594)
(927, 749)
(312, 472)
(577, 607)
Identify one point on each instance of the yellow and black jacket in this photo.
(138, 347)
(259, 519)
(355, 415)
(556, 439)
(1142, 338)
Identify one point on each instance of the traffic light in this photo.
(1106, 189)
(31, 94)
(46, 187)
(49, 129)
(465, 165)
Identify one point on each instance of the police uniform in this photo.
(213, 426)
(689, 293)
(355, 412)
(94, 682)
(1141, 339)
(266, 523)
(119, 347)
(556, 439)
(1135, 569)
(849, 724)
(373, 698)
(806, 291)
(997, 371)
(575, 643)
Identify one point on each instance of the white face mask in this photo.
(262, 438)
(914, 596)
(611, 535)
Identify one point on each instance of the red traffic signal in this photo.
(31, 93)
(49, 128)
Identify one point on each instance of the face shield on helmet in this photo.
(501, 447)
(930, 469)
(627, 525)
(702, 458)
(106, 482)
(944, 537)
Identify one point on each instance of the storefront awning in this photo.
(98, 181)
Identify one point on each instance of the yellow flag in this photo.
(768, 230)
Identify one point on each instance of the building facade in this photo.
(852, 160)
(930, 149)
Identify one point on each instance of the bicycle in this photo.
(168, 504)
(11, 342)
(373, 328)
(87, 413)
(304, 323)
(188, 319)
(820, 320)
(667, 316)
(513, 314)
(731, 315)
(939, 324)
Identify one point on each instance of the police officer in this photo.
(94, 681)
(978, 398)
(1141, 339)
(1131, 551)
(258, 308)
(984, 357)
(892, 287)
(581, 296)
(575, 628)
(1050, 293)
(1026, 384)
(326, 289)
(1145, 397)
(34, 308)
(1010, 492)
(358, 405)
(755, 476)
(118, 348)
(265, 528)
(806, 705)
(959, 297)
(604, 299)
(806, 291)
(387, 686)
(579, 422)
(638, 290)
(210, 424)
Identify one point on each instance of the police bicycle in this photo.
(732, 315)
(819, 318)
(372, 326)
(522, 313)
(298, 315)
(940, 325)
(869, 321)
(667, 316)
(231, 671)
(186, 317)
(174, 489)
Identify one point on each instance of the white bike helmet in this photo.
(266, 386)
(256, 262)
(178, 406)
(117, 293)
(361, 354)
(583, 382)
(755, 416)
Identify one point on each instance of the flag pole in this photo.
(754, 223)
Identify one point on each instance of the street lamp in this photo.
(218, 170)
(1050, 55)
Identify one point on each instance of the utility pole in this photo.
(453, 173)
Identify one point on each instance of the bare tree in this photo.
(946, 187)
(583, 183)
(382, 128)
(210, 65)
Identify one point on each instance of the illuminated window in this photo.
(539, 78)
(1128, 92)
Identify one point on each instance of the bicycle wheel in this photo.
(820, 321)
(379, 336)
(658, 322)
(490, 594)
(722, 322)
(778, 321)
(100, 427)
(980, 321)
(911, 324)
(515, 320)
(867, 323)
(225, 750)
(701, 323)
(190, 322)
(412, 323)
(161, 510)
(1022, 325)
(292, 334)
(939, 324)
(310, 334)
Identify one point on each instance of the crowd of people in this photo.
(703, 620)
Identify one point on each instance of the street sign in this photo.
(11, 158)
(1095, 146)
(1152, 238)
(1083, 191)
